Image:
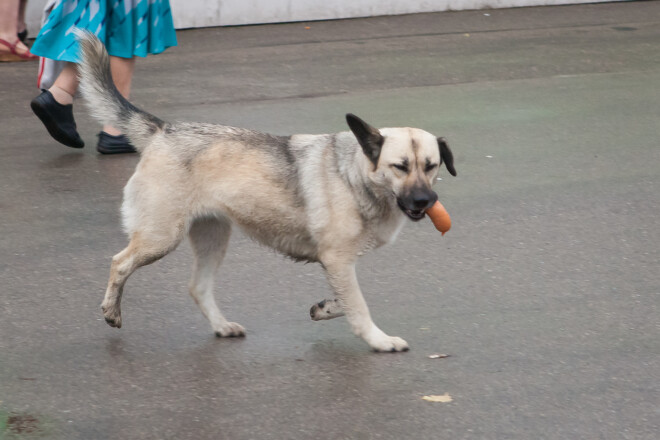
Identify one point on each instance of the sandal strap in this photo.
(11, 47)
(27, 55)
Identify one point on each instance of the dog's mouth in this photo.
(413, 214)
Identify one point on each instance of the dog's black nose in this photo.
(423, 199)
(418, 199)
(421, 202)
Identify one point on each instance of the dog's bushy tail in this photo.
(104, 100)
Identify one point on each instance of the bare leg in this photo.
(341, 276)
(8, 20)
(122, 74)
(9, 14)
(209, 238)
(20, 22)
(65, 86)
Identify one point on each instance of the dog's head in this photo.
(404, 161)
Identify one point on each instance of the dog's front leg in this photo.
(342, 278)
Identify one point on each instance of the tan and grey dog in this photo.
(320, 198)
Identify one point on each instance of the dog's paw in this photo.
(112, 315)
(391, 345)
(326, 309)
(230, 330)
(382, 343)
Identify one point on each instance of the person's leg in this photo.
(9, 13)
(65, 86)
(111, 139)
(122, 75)
(8, 18)
(54, 108)
(20, 22)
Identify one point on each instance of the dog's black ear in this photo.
(368, 137)
(446, 156)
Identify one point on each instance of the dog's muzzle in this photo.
(415, 204)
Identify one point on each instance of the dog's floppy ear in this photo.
(446, 156)
(368, 137)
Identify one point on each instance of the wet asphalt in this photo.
(545, 294)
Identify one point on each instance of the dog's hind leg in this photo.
(326, 309)
(145, 247)
(209, 237)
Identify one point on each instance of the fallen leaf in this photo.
(445, 398)
(438, 356)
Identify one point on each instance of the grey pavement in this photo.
(545, 293)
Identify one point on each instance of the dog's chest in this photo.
(383, 231)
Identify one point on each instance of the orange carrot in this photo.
(440, 217)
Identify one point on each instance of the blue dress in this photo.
(128, 28)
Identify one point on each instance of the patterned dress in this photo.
(128, 28)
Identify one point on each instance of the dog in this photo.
(325, 198)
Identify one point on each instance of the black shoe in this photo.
(58, 119)
(109, 144)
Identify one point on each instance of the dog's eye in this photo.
(401, 167)
(430, 167)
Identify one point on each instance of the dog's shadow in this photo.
(115, 347)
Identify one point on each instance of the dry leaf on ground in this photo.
(438, 356)
(445, 398)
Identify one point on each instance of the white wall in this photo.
(202, 13)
